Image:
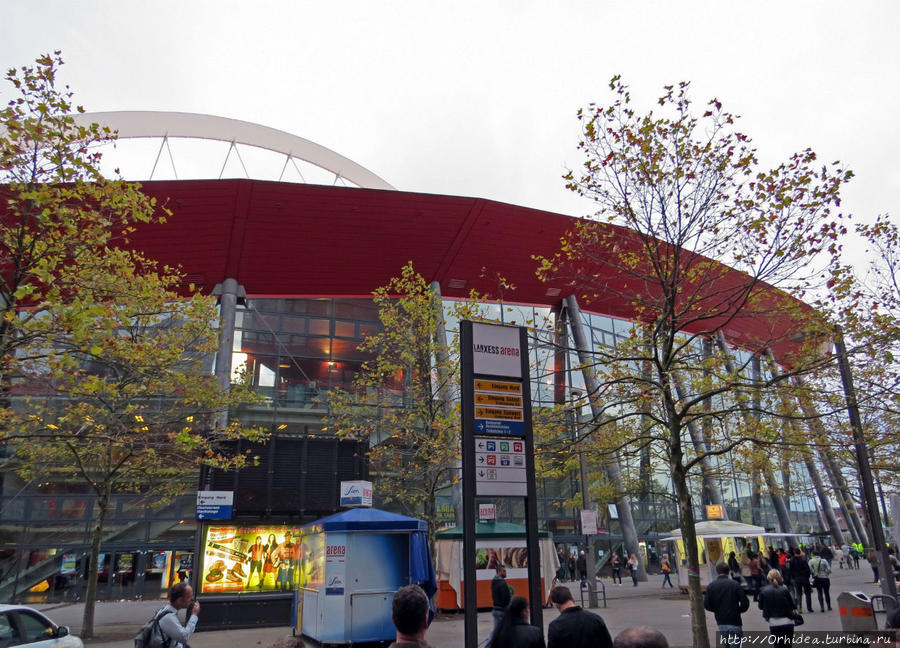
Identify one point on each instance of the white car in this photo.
(22, 626)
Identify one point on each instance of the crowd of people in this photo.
(790, 577)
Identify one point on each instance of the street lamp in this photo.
(589, 545)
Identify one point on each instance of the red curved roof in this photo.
(299, 240)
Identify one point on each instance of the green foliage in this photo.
(404, 401)
(104, 357)
(700, 242)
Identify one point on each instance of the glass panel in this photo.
(319, 327)
(344, 329)
(34, 628)
(9, 635)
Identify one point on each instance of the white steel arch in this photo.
(132, 124)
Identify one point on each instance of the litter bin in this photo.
(857, 613)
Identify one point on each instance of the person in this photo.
(633, 568)
(500, 597)
(777, 607)
(287, 562)
(666, 569)
(574, 627)
(854, 556)
(514, 630)
(615, 563)
(827, 554)
(839, 556)
(734, 567)
(726, 599)
(409, 612)
(640, 637)
(821, 574)
(269, 557)
(872, 557)
(581, 565)
(756, 574)
(181, 597)
(257, 554)
(562, 572)
(799, 572)
(570, 564)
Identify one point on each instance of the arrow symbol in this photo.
(480, 459)
(481, 473)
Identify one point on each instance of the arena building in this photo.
(295, 265)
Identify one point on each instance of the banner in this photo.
(258, 559)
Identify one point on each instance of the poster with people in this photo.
(254, 559)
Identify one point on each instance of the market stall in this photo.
(716, 539)
(351, 563)
(496, 543)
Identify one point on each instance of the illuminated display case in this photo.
(256, 559)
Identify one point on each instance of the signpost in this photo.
(497, 446)
(215, 505)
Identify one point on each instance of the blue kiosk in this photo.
(351, 563)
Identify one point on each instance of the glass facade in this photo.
(295, 351)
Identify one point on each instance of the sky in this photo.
(479, 98)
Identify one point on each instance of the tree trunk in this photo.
(90, 595)
(689, 538)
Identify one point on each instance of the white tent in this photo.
(718, 528)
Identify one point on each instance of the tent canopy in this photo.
(364, 519)
(717, 528)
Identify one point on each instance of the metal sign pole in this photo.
(499, 462)
(535, 594)
(467, 380)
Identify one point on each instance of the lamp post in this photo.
(590, 564)
(888, 585)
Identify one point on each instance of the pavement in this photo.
(116, 622)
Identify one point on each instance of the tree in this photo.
(404, 400)
(679, 196)
(104, 355)
(58, 210)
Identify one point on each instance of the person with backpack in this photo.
(666, 570)
(181, 597)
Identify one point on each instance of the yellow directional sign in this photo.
(498, 399)
(497, 413)
(498, 386)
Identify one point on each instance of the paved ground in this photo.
(117, 622)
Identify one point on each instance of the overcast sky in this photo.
(479, 98)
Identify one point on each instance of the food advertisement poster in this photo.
(253, 559)
(512, 554)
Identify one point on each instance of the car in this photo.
(28, 628)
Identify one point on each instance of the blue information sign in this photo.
(215, 505)
(499, 428)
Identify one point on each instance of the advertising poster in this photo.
(263, 558)
(512, 554)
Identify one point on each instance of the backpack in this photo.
(151, 635)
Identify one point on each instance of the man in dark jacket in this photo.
(726, 598)
(500, 596)
(574, 627)
(581, 565)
